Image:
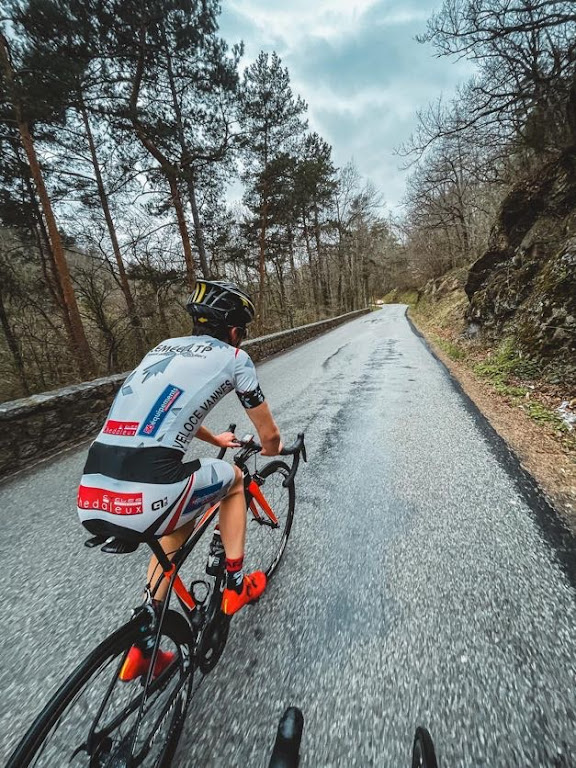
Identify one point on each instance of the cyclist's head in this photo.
(220, 309)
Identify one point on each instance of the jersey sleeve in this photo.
(246, 381)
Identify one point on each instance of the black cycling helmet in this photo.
(218, 302)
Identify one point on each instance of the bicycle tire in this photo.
(423, 753)
(176, 629)
(267, 558)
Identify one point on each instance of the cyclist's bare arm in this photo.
(267, 429)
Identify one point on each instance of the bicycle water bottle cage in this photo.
(200, 591)
(120, 547)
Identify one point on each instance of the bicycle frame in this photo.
(253, 495)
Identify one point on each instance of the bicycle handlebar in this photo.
(297, 449)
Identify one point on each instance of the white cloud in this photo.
(288, 20)
(358, 66)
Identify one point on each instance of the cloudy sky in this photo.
(359, 68)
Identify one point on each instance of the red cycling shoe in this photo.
(136, 664)
(253, 586)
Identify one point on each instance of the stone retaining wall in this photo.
(36, 426)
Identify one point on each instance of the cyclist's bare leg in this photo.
(169, 544)
(232, 531)
(232, 518)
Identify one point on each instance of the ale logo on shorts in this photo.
(114, 502)
(160, 410)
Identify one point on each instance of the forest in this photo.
(123, 125)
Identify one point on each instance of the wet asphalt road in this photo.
(417, 587)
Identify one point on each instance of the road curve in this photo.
(422, 582)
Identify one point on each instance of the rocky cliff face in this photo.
(524, 285)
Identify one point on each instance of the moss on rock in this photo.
(524, 285)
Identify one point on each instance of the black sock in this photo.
(235, 574)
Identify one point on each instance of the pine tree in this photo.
(173, 85)
(315, 187)
(271, 119)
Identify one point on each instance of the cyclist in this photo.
(134, 478)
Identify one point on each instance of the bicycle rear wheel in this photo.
(91, 720)
(269, 525)
(423, 754)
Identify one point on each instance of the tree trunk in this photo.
(312, 266)
(294, 282)
(321, 265)
(14, 347)
(187, 165)
(135, 320)
(198, 228)
(167, 168)
(86, 364)
(38, 227)
(262, 261)
(183, 229)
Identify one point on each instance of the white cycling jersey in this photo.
(167, 397)
(134, 479)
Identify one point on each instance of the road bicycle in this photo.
(95, 719)
(286, 752)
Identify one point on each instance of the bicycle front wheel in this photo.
(93, 719)
(269, 521)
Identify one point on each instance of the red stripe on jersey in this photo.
(183, 501)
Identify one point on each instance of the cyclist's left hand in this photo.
(226, 440)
